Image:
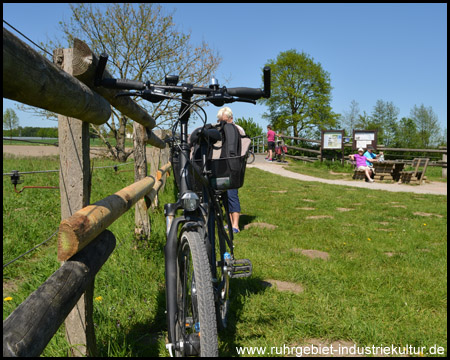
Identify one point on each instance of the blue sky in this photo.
(389, 52)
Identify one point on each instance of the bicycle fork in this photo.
(170, 253)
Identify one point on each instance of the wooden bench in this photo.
(359, 174)
(386, 170)
(416, 175)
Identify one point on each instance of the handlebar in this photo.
(157, 92)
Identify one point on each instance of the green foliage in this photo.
(32, 131)
(251, 128)
(427, 125)
(384, 118)
(301, 94)
(10, 120)
(419, 131)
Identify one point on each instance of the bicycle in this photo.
(197, 267)
(251, 157)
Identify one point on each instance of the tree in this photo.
(408, 136)
(142, 44)
(427, 125)
(365, 122)
(251, 128)
(10, 120)
(384, 117)
(350, 118)
(301, 94)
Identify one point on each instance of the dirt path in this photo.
(44, 150)
(435, 188)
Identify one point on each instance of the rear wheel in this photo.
(196, 330)
(251, 157)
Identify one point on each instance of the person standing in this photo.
(234, 205)
(270, 143)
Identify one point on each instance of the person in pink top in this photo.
(271, 142)
(361, 163)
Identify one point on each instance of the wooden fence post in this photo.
(142, 221)
(165, 156)
(74, 180)
(154, 164)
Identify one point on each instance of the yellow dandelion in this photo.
(369, 239)
(424, 224)
(8, 298)
(98, 298)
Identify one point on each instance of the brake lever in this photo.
(251, 101)
(127, 93)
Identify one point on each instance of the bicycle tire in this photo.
(251, 158)
(196, 309)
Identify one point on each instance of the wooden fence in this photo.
(259, 144)
(66, 87)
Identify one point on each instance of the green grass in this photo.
(360, 294)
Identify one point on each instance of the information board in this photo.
(363, 138)
(332, 139)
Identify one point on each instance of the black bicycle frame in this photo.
(190, 220)
(209, 209)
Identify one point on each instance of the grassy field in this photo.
(385, 281)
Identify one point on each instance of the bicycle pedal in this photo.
(241, 268)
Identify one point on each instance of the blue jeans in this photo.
(233, 201)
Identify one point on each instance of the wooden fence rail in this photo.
(83, 241)
(30, 78)
(85, 225)
(29, 328)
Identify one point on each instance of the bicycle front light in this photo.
(190, 201)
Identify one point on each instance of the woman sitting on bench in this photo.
(361, 163)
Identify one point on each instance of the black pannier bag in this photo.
(226, 159)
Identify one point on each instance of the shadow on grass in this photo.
(144, 339)
(245, 219)
(240, 290)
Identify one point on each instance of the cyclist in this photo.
(225, 114)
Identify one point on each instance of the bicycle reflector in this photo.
(190, 201)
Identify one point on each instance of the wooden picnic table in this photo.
(388, 170)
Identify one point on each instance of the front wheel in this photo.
(196, 330)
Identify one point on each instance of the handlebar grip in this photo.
(250, 93)
(123, 84)
(266, 82)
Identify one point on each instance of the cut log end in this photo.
(67, 247)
